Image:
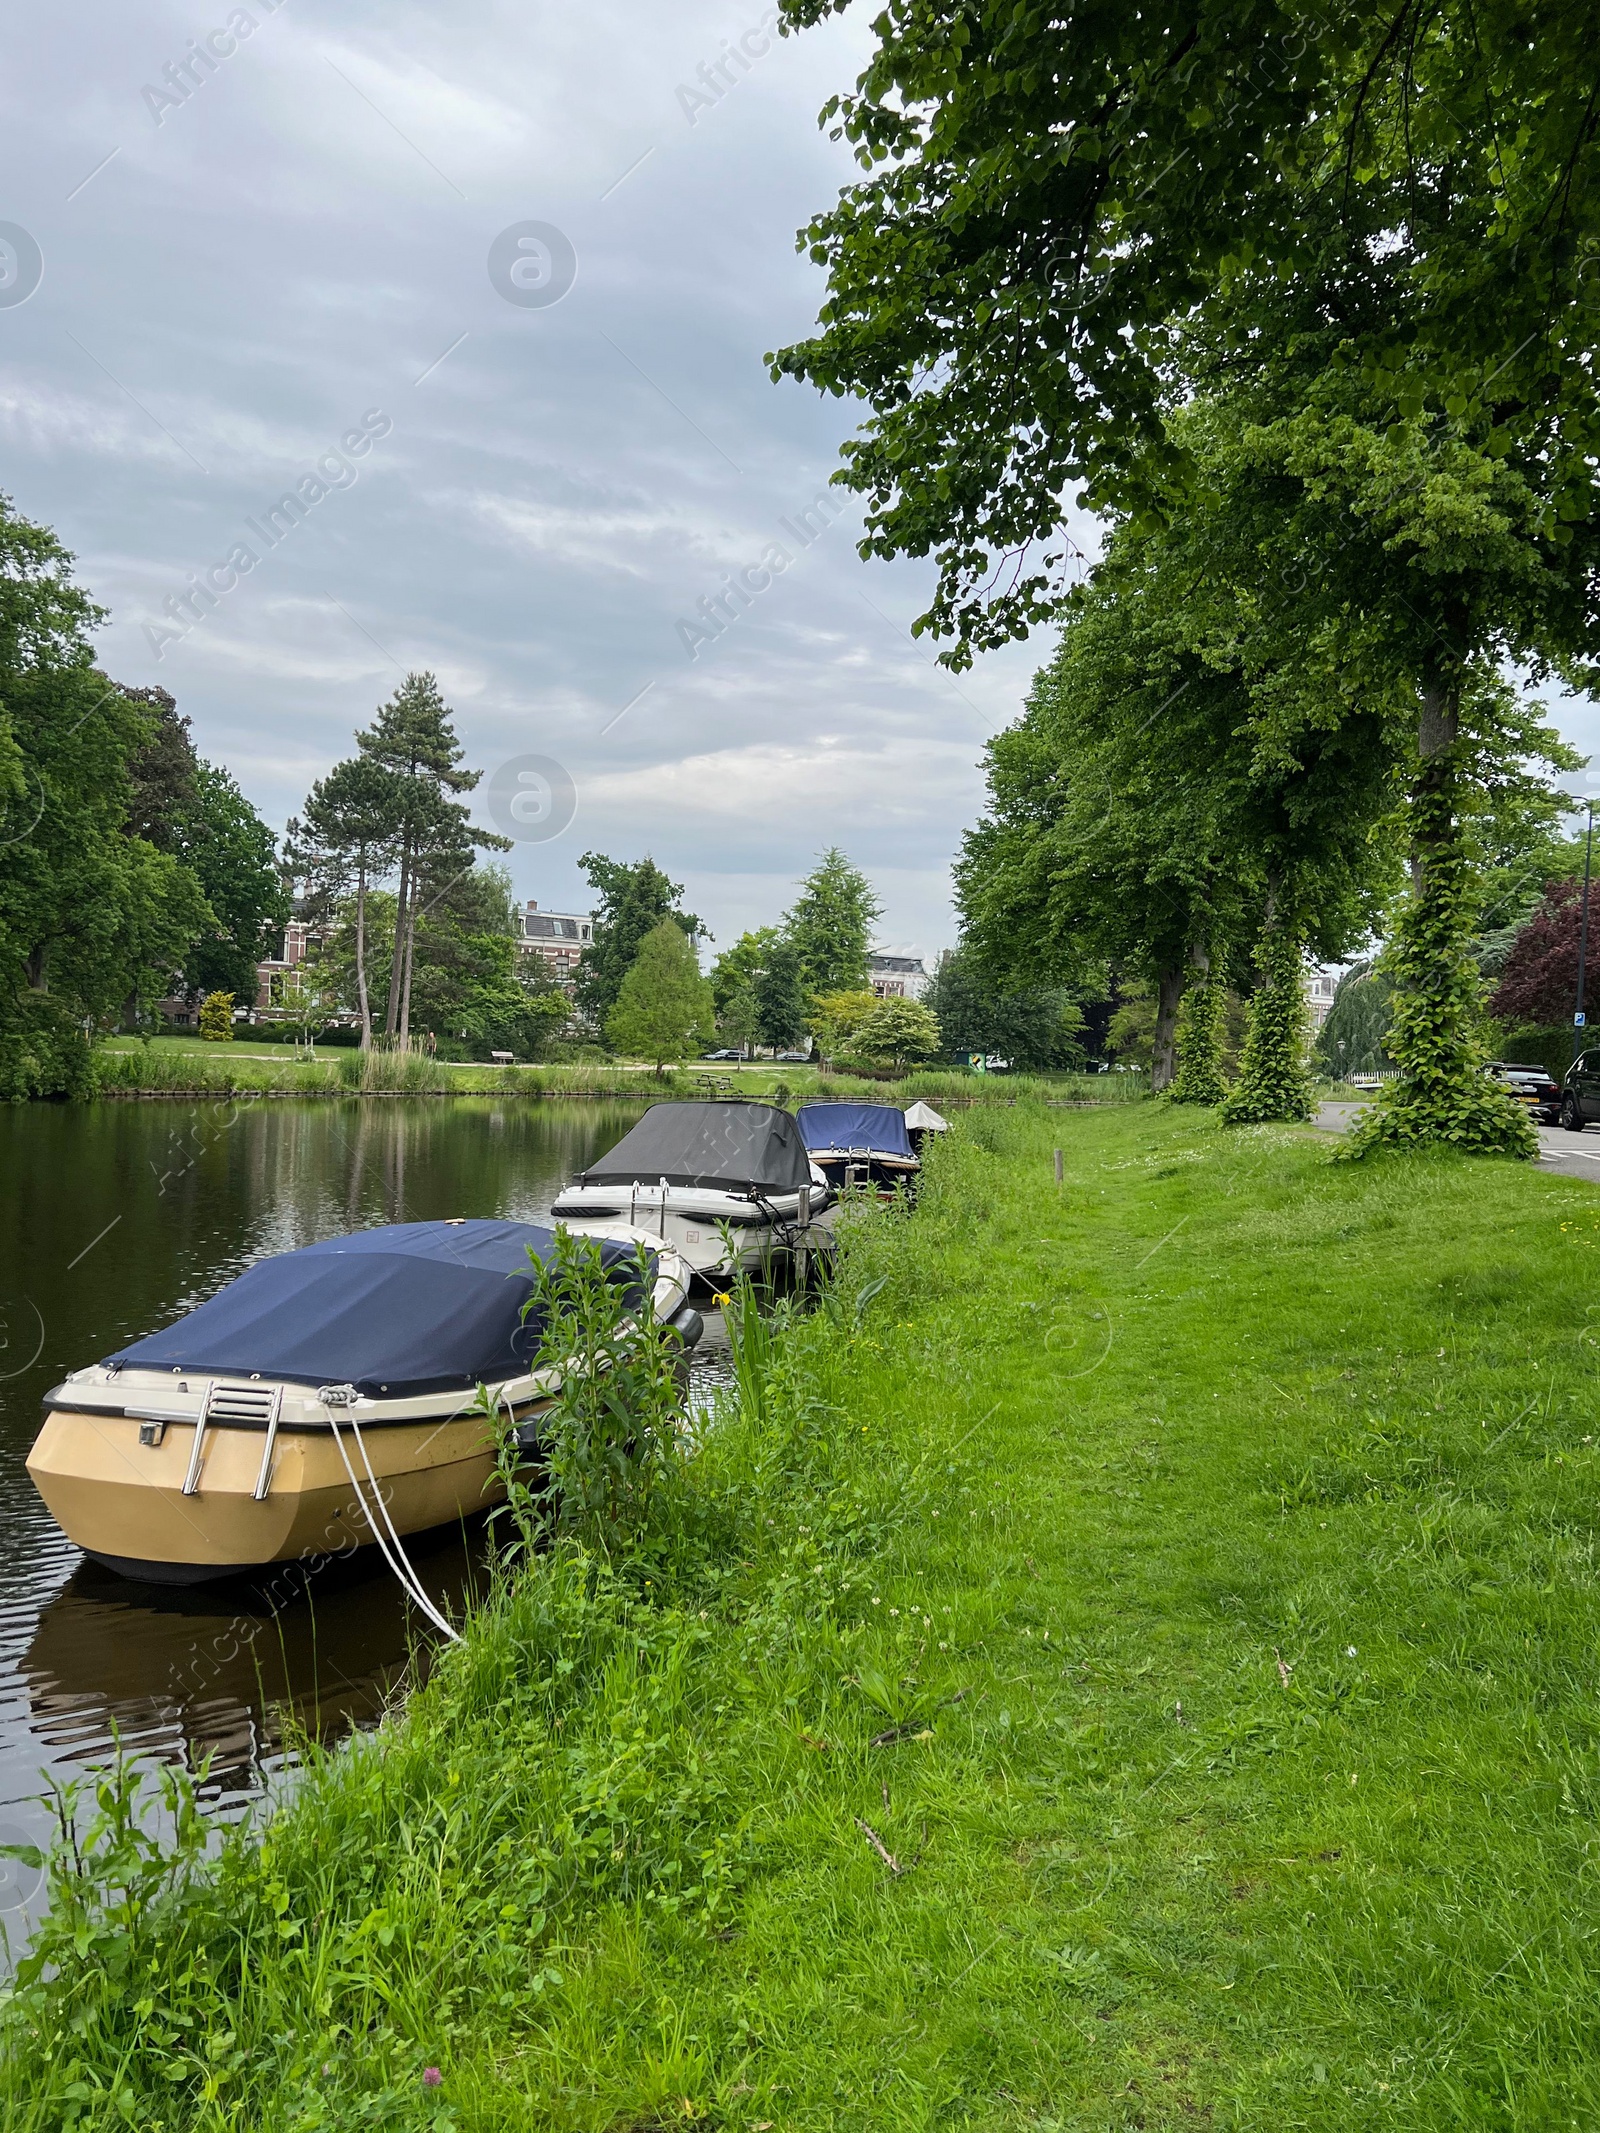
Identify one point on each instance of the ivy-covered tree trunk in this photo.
(1436, 1038)
(1200, 1079)
(1169, 996)
(1274, 1079)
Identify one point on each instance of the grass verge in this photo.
(1134, 1667)
(186, 1067)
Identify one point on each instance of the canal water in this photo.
(115, 1217)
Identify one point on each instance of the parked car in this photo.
(1580, 1093)
(1533, 1086)
(727, 1052)
(791, 1058)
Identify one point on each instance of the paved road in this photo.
(1578, 1154)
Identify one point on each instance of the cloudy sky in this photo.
(242, 268)
(321, 230)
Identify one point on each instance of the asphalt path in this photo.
(1578, 1154)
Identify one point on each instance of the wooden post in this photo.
(1059, 1170)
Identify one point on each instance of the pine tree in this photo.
(413, 739)
(349, 834)
(664, 1006)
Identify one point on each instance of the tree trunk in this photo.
(1435, 1039)
(1169, 996)
(402, 902)
(361, 954)
(1200, 1079)
(411, 948)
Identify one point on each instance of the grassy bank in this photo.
(187, 1067)
(1186, 1579)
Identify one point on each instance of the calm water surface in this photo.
(113, 1219)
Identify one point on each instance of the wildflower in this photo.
(876, 1601)
(432, 2078)
(894, 1610)
(1349, 1651)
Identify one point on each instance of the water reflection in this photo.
(229, 1682)
(113, 1219)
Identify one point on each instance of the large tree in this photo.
(830, 924)
(89, 914)
(1367, 245)
(346, 841)
(195, 811)
(1101, 848)
(664, 1009)
(634, 897)
(1036, 1026)
(414, 740)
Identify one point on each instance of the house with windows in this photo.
(897, 977)
(557, 938)
(1321, 985)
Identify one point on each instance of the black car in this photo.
(1533, 1086)
(1580, 1093)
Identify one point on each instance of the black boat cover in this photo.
(843, 1128)
(733, 1146)
(411, 1308)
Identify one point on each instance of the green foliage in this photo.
(737, 969)
(1353, 1038)
(412, 742)
(664, 1008)
(92, 920)
(604, 1866)
(1437, 1037)
(1037, 1026)
(1274, 1079)
(830, 925)
(609, 1441)
(1200, 1079)
(349, 839)
(234, 857)
(898, 1032)
(836, 1016)
(216, 1018)
(1067, 225)
(780, 996)
(739, 1018)
(633, 900)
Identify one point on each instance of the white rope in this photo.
(417, 1586)
(407, 1577)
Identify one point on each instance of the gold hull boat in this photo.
(178, 1475)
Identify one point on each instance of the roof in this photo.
(844, 1127)
(735, 1146)
(409, 1308)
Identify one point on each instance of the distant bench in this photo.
(504, 1058)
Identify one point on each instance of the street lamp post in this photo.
(1578, 1016)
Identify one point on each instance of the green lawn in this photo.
(1188, 1578)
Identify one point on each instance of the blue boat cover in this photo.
(842, 1127)
(411, 1308)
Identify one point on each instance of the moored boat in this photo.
(323, 1400)
(728, 1184)
(860, 1146)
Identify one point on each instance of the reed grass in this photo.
(1131, 1665)
(210, 1071)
